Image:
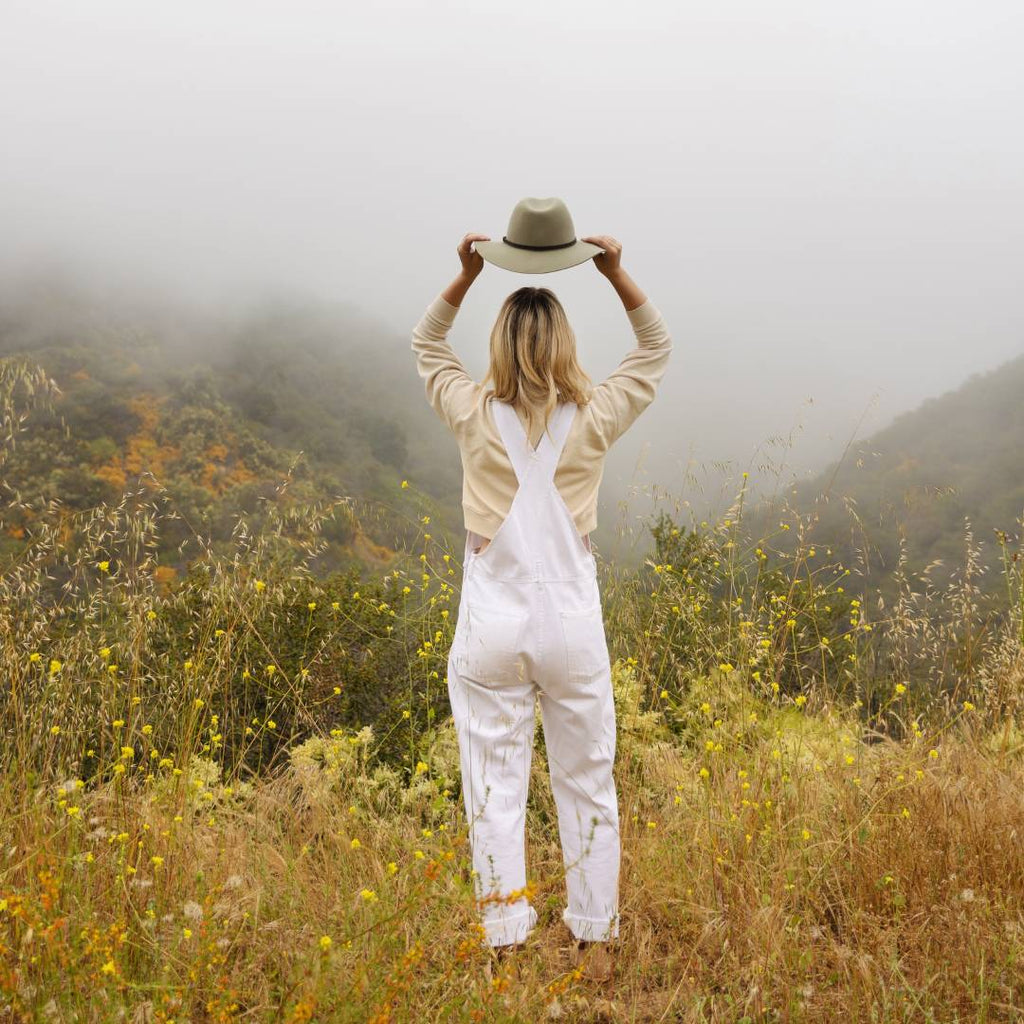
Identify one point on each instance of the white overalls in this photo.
(530, 624)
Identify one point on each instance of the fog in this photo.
(823, 199)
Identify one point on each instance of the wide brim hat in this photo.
(540, 239)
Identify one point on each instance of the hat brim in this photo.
(536, 261)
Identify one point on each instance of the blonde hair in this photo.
(533, 356)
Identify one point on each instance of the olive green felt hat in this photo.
(540, 238)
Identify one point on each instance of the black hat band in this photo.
(519, 245)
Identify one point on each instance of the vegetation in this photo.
(235, 794)
(286, 405)
(214, 416)
(903, 496)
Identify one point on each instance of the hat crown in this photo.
(541, 238)
(541, 223)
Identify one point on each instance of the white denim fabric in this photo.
(530, 626)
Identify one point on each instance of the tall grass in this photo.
(236, 796)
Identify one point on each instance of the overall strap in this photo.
(517, 444)
(549, 451)
(513, 437)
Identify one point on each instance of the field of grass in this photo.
(236, 796)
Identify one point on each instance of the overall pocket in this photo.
(586, 646)
(490, 645)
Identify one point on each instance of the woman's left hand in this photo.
(472, 261)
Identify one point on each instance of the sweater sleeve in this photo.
(620, 398)
(450, 389)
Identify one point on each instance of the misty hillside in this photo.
(219, 410)
(957, 457)
(218, 414)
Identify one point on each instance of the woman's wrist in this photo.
(628, 290)
(456, 291)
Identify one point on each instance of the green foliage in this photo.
(286, 405)
(957, 458)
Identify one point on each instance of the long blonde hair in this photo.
(533, 356)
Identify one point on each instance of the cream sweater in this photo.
(489, 481)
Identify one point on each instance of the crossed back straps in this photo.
(517, 444)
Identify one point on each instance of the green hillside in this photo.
(303, 403)
(289, 404)
(956, 460)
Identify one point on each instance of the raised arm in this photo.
(622, 396)
(609, 263)
(450, 390)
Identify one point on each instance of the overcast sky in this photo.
(823, 198)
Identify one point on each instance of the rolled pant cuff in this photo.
(505, 930)
(592, 929)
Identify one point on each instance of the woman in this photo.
(529, 622)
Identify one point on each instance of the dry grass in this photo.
(789, 884)
(821, 810)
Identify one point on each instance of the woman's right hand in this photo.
(609, 261)
(472, 261)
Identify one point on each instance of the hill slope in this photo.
(218, 413)
(958, 457)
